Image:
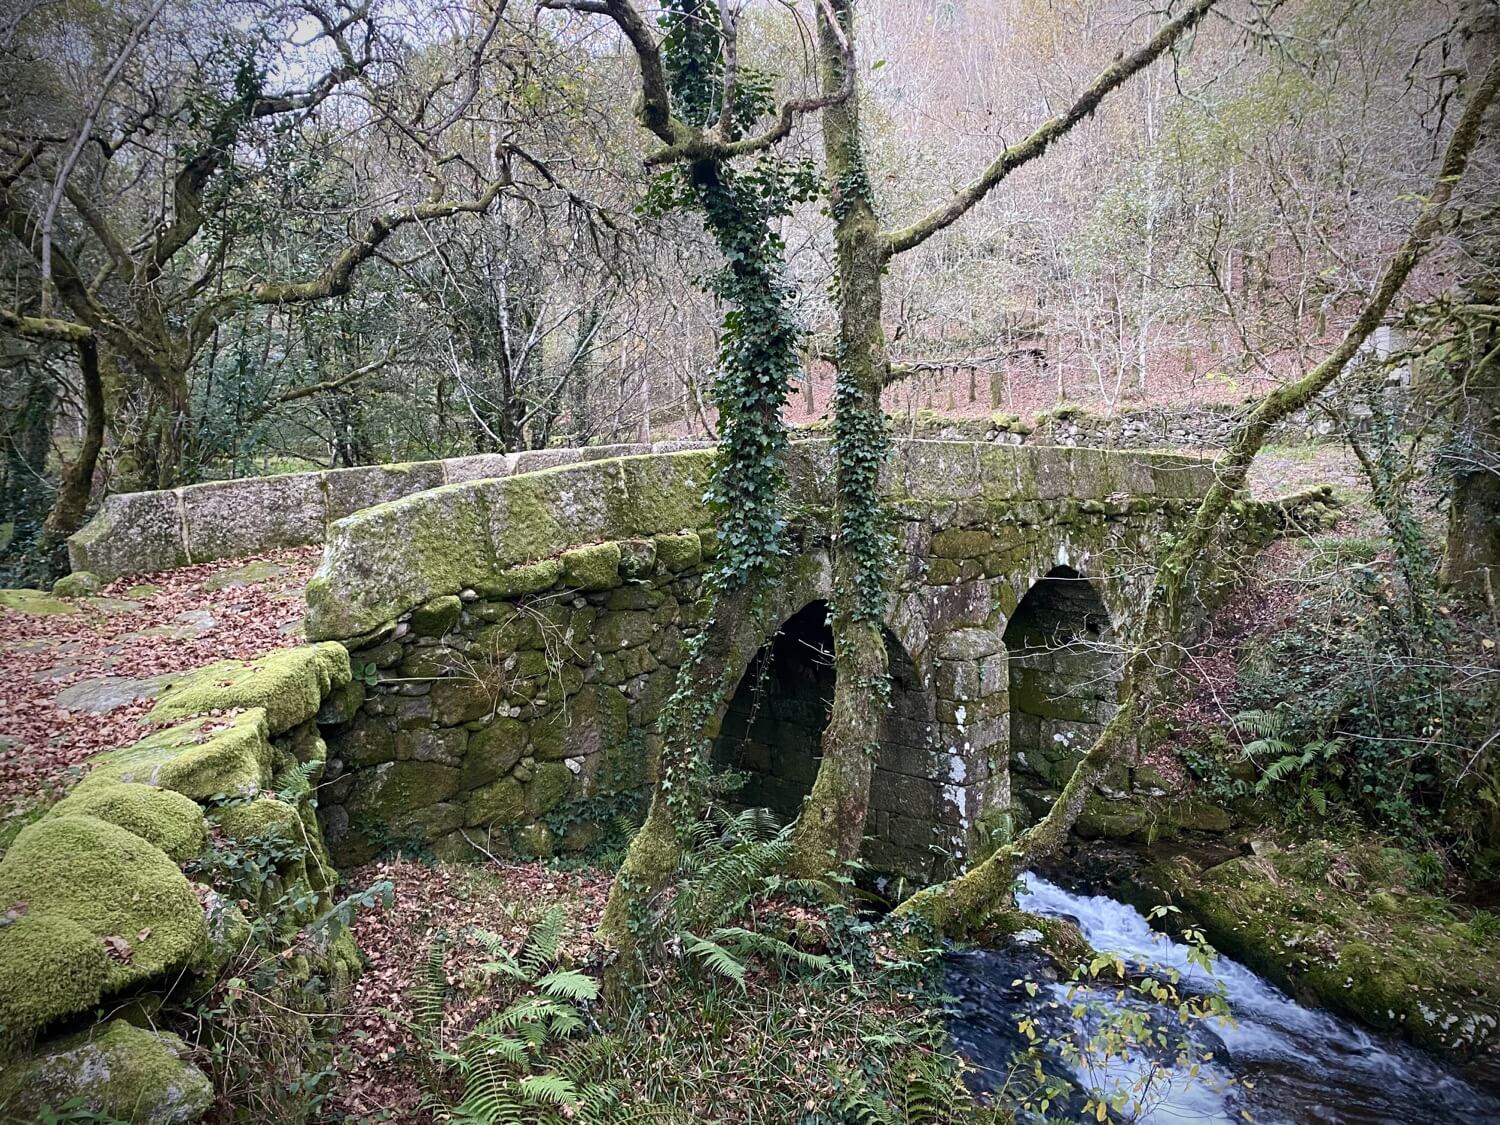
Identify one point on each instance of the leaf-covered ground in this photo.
(376, 1078)
(81, 681)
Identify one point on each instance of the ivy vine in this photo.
(861, 444)
(756, 362)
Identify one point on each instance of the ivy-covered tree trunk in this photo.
(831, 825)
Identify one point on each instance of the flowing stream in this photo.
(1278, 1062)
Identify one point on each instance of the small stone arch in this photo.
(772, 731)
(1064, 666)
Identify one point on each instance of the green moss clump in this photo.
(79, 584)
(437, 617)
(1009, 423)
(547, 789)
(289, 684)
(200, 759)
(266, 819)
(118, 1071)
(163, 817)
(677, 553)
(528, 578)
(34, 603)
(53, 968)
(596, 567)
(114, 885)
(501, 802)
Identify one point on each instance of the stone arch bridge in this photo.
(519, 636)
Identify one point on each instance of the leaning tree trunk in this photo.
(831, 825)
(963, 905)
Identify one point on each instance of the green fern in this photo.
(504, 1069)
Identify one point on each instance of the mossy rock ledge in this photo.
(95, 903)
(1350, 928)
(289, 685)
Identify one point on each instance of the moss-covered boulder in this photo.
(52, 967)
(121, 890)
(289, 685)
(1349, 927)
(163, 817)
(116, 1071)
(79, 584)
(200, 759)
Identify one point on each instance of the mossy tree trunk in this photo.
(1471, 555)
(831, 825)
(962, 905)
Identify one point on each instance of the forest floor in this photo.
(377, 1057)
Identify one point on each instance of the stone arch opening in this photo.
(1064, 670)
(772, 731)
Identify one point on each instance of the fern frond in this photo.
(569, 984)
(430, 998)
(549, 1088)
(715, 958)
(544, 940)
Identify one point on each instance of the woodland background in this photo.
(318, 235)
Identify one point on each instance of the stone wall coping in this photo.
(137, 532)
(384, 560)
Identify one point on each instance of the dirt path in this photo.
(77, 676)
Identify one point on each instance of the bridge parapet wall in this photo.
(135, 532)
(383, 560)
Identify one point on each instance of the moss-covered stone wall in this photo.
(136, 532)
(111, 900)
(521, 634)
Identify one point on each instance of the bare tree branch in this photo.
(1013, 157)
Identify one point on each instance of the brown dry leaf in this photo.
(117, 947)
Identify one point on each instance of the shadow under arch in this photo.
(772, 732)
(1065, 667)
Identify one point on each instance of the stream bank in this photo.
(1276, 1060)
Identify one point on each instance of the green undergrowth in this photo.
(758, 1000)
(1368, 706)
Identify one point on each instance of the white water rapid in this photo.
(1289, 1065)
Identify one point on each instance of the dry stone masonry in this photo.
(520, 635)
